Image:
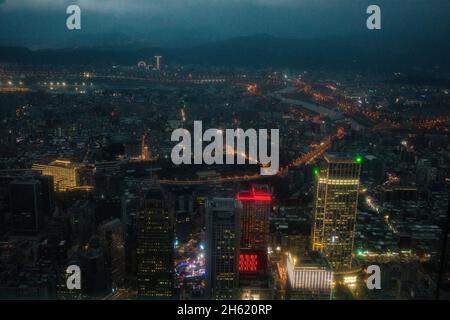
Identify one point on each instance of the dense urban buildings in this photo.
(347, 196)
(88, 181)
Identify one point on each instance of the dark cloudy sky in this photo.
(41, 23)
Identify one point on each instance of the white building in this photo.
(310, 277)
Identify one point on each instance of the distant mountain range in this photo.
(259, 51)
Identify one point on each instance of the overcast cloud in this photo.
(31, 22)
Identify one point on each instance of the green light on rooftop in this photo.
(316, 171)
(358, 159)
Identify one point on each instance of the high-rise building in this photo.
(47, 187)
(254, 208)
(55, 246)
(48, 194)
(108, 189)
(335, 209)
(26, 206)
(309, 277)
(93, 268)
(112, 241)
(155, 238)
(222, 247)
(254, 218)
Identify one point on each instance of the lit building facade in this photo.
(254, 208)
(222, 246)
(155, 238)
(145, 152)
(65, 174)
(310, 277)
(335, 209)
(254, 218)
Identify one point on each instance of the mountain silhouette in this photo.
(257, 51)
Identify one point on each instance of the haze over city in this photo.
(179, 23)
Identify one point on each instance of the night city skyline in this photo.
(203, 151)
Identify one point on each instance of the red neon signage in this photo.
(254, 195)
(254, 198)
(248, 262)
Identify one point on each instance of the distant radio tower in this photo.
(145, 153)
(158, 62)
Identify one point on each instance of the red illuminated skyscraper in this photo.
(254, 207)
(254, 224)
(254, 219)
